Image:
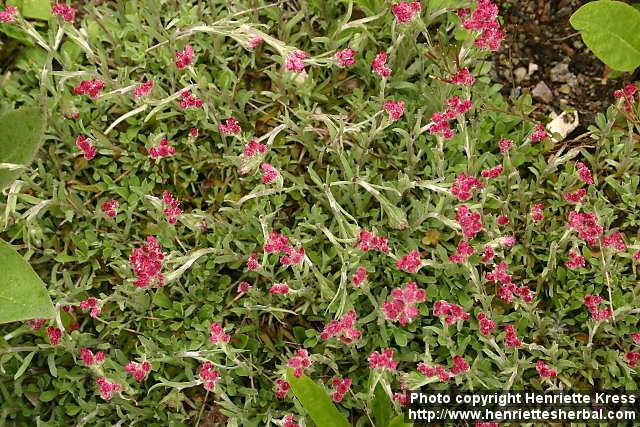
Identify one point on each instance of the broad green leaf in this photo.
(611, 29)
(25, 365)
(316, 402)
(36, 9)
(399, 422)
(23, 296)
(382, 407)
(21, 134)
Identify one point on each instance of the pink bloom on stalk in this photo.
(218, 336)
(462, 77)
(383, 360)
(614, 240)
(295, 61)
(244, 287)
(229, 127)
(54, 335)
(463, 252)
(402, 308)
(346, 57)
(359, 276)
(636, 256)
(163, 149)
(410, 262)
(341, 386)
(539, 133)
(378, 65)
(282, 388)
(536, 213)
(299, 362)
(172, 207)
(84, 144)
(255, 41)
(193, 132)
(252, 263)
(505, 145)
(189, 100)
(507, 241)
(91, 359)
(493, 172)
(576, 196)
(289, 421)
(8, 14)
(91, 304)
(459, 365)
(592, 302)
(208, 375)
(487, 254)
(499, 274)
(635, 337)
(586, 225)
(511, 339)
(368, 241)
(628, 92)
(143, 89)
(279, 288)
(484, 19)
(276, 243)
(633, 358)
(502, 220)
(110, 208)
(470, 222)
(269, 173)
(89, 87)
(147, 264)
(36, 324)
(401, 398)
(293, 256)
(253, 147)
(184, 58)
(138, 370)
(584, 173)
(67, 13)
(575, 261)
(451, 312)
(395, 109)
(486, 325)
(544, 371)
(405, 12)
(344, 328)
(463, 186)
(107, 388)
(432, 371)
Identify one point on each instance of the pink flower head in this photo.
(383, 360)
(89, 87)
(343, 328)
(628, 93)
(536, 213)
(107, 388)
(410, 262)
(487, 254)
(252, 263)
(507, 241)
(575, 261)
(432, 371)
(587, 226)
(406, 11)
(511, 339)
(635, 337)
(218, 336)
(452, 312)
(493, 172)
(505, 145)
(67, 13)
(469, 221)
(36, 324)
(54, 335)
(459, 365)
(486, 325)
(184, 58)
(576, 196)
(91, 359)
(189, 100)
(276, 243)
(359, 276)
(299, 362)
(441, 126)
(484, 19)
(229, 127)
(253, 147)
(172, 207)
(244, 287)
(499, 274)
(402, 307)
(544, 371)
(147, 264)
(255, 41)
(584, 173)
(282, 388)
(368, 241)
(346, 57)
(463, 186)
(110, 208)
(592, 302)
(463, 252)
(289, 421)
(614, 240)
(502, 220)
(379, 65)
(395, 109)
(84, 144)
(462, 77)
(8, 14)
(295, 61)
(92, 305)
(279, 288)
(539, 133)
(401, 398)
(193, 132)
(341, 387)
(138, 370)
(269, 173)
(633, 358)
(143, 89)
(163, 149)
(208, 375)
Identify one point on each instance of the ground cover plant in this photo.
(288, 213)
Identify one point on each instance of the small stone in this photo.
(519, 74)
(561, 73)
(563, 125)
(542, 92)
(532, 69)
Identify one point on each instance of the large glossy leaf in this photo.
(23, 296)
(316, 402)
(611, 29)
(21, 134)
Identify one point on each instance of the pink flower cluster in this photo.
(463, 186)
(36, 324)
(615, 241)
(84, 144)
(395, 109)
(54, 335)
(383, 360)
(67, 13)
(488, 253)
(486, 325)
(89, 87)
(493, 172)
(279, 289)
(410, 262)
(208, 375)
(295, 61)
(289, 421)
(539, 133)
(633, 358)
(218, 336)
(143, 89)
(452, 312)
(368, 241)
(584, 173)
(282, 388)
(359, 276)
(253, 147)
(441, 125)
(91, 359)
(184, 58)
(536, 213)
(402, 308)
(244, 287)
(163, 149)
(107, 388)
(505, 145)
(576, 196)
(432, 371)
(343, 328)
(92, 304)
(277, 243)
(138, 370)
(463, 252)
(147, 264)
(189, 100)
(406, 11)
(346, 57)
(485, 19)
(172, 207)
(587, 226)
(592, 302)
(469, 221)
(379, 65)
(229, 127)
(462, 77)
(252, 263)
(110, 208)
(269, 173)
(8, 14)
(459, 365)
(575, 261)
(544, 371)
(628, 92)
(299, 362)
(341, 386)
(255, 41)
(511, 339)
